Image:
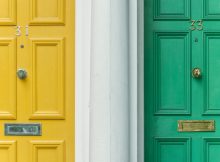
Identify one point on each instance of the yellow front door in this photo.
(37, 37)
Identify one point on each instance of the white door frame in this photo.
(84, 36)
(82, 78)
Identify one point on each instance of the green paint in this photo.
(171, 94)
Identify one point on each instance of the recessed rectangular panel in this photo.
(172, 150)
(211, 149)
(48, 78)
(7, 12)
(211, 9)
(47, 151)
(47, 12)
(172, 10)
(8, 78)
(211, 70)
(172, 66)
(8, 151)
(28, 129)
(196, 125)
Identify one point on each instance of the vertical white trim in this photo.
(140, 77)
(109, 72)
(100, 81)
(136, 73)
(133, 78)
(119, 84)
(82, 85)
(109, 120)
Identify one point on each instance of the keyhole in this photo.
(22, 46)
(196, 40)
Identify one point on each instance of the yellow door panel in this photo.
(7, 12)
(8, 78)
(47, 78)
(44, 49)
(8, 151)
(47, 12)
(47, 151)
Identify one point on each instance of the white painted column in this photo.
(109, 95)
(109, 118)
(100, 115)
(119, 81)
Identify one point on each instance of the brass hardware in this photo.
(27, 30)
(22, 74)
(200, 24)
(196, 125)
(196, 39)
(196, 25)
(196, 73)
(23, 129)
(18, 30)
(193, 27)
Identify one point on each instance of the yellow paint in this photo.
(46, 96)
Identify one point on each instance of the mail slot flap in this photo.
(196, 125)
(27, 129)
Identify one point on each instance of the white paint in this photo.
(140, 81)
(119, 81)
(100, 82)
(133, 78)
(109, 135)
(136, 78)
(82, 97)
(108, 103)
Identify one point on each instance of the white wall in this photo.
(107, 100)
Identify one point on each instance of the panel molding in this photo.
(172, 16)
(11, 19)
(206, 13)
(207, 110)
(10, 146)
(37, 20)
(184, 141)
(58, 145)
(11, 111)
(60, 112)
(207, 143)
(185, 109)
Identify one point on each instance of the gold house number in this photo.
(196, 25)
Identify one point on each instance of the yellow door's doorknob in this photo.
(22, 74)
(196, 73)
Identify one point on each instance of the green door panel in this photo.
(174, 45)
(170, 67)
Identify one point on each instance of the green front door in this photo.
(181, 35)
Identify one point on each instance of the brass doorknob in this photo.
(196, 73)
(22, 74)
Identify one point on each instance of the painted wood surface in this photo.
(180, 36)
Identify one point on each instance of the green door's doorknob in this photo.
(196, 73)
(22, 74)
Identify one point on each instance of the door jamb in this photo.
(82, 78)
(140, 80)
